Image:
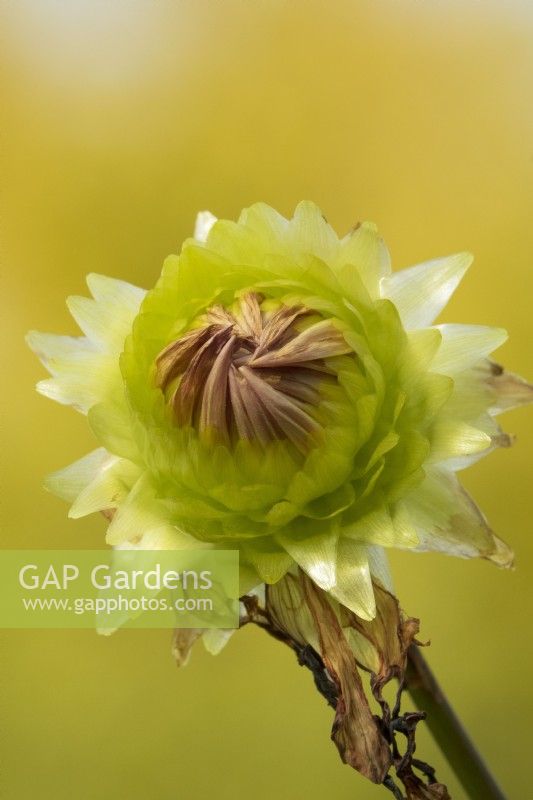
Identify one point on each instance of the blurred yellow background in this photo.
(122, 120)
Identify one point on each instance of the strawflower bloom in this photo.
(281, 392)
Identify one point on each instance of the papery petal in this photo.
(270, 562)
(269, 226)
(424, 345)
(363, 252)
(81, 372)
(311, 233)
(120, 298)
(448, 520)
(141, 514)
(107, 319)
(204, 222)
(109, 488)
(381, 527)
(68, 482)
(111, 424)
(316, 555)
(215, 639)
(86, 370)
(51, 348)
(353, 586)
(463, 345)
(421, 292)
(378, 563)
(452, 437)
(81, 380)
(511, 391)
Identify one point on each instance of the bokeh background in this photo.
(121, 120)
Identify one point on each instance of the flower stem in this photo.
(448, 731)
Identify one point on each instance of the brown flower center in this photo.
(250, 374)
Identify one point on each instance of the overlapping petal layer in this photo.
(317, 469)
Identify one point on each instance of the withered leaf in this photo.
(355, 729)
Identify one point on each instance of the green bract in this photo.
(324, 419)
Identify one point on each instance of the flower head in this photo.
(282, 392)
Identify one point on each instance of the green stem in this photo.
(448, 731)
